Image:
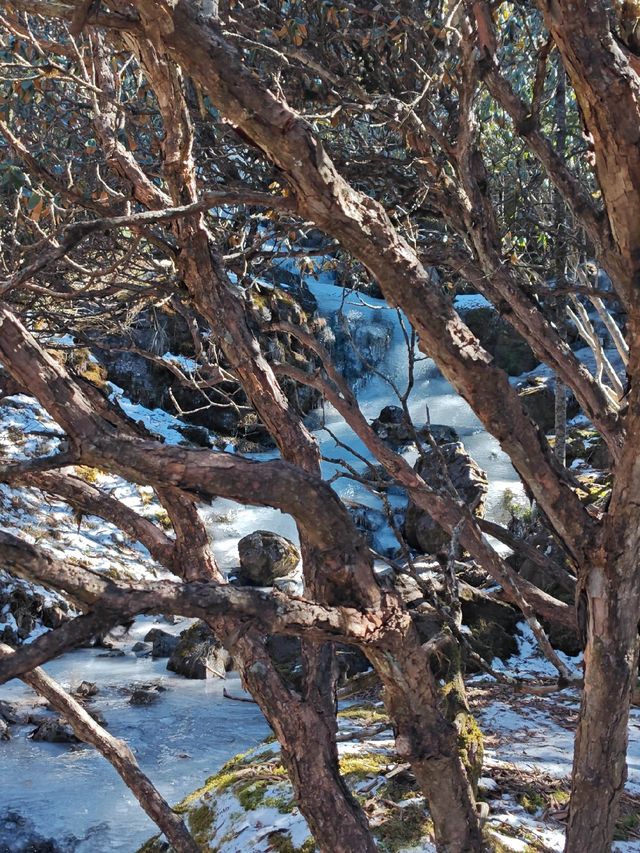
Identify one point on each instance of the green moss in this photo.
(283, 802)
(395, 791)
(89, 475)
(625, 824)
(531, 801)
(153, 845)
(252, 794)
(404, 827)
(362, 765)
(281, 842)
(471, 746)
(163, 518)
(515, 507)
(365, 713)
(200, 820)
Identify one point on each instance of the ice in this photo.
(178, 741)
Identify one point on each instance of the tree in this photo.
(380, 128)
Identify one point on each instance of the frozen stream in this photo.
(191, 729)
(178, 741)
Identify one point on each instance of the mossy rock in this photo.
(493, 625)
(199, 654)
(509, 349)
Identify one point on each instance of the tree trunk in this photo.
(426, 739)
(611, 665)
(309, 751)
(560, 264)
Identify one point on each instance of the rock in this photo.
(350, 661)
(539, 401)
(18, 835)
(265, 556)
(509, 349)
(54, 730)
(5, 734)
(97, 715)
(197, 435)
(23, 607)
(587, 444)
(493, 625)
(144, 696)
(112, 653)
(9, 712)
(199, 654)
(85, 690)
(163, 644)
(142, 650)
(358, 345)
(286, 654)
(421, 531)
(392, 426)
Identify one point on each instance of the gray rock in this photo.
(54, 730)
(199, 654)
(265, 556)
(539, 401)
(142, 650)
(5, 734)
(85, 690)
(421, 531)
(163, 644)
(18, 835)
(509, 349)
(359, 345)
(392, 427)
(144, 696)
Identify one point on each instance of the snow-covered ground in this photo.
(528, 753)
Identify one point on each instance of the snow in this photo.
(470, 301)
(156, 420)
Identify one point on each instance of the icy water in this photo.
(192, 729)
(178, 741)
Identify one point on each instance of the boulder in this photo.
(199, 654)
(392, 426)
(265, 556)
(54, 730)
(509, 349)
(492, 623)
(588, 445)
(421, 531)
(141, 650)
(539, 401)
(144, 696)
(287, 656)
(85, 690)
(27, 606)
(4, 731)
(359, 344)
(163, 644)
(18, 835)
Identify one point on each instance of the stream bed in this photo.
(192, 729)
